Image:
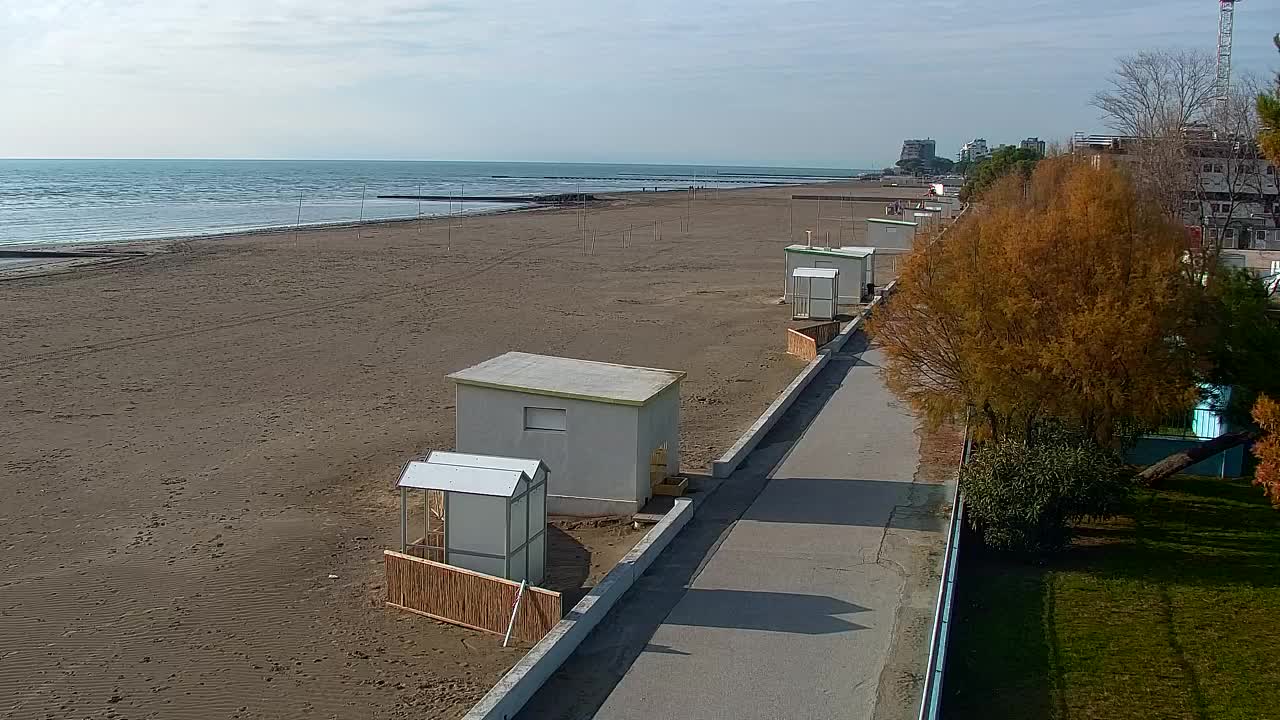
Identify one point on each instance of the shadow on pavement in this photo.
(773, 611)
(862, 503)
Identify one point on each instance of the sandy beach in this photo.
(196, 440)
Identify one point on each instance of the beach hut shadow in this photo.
(568, 566)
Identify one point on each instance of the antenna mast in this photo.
(1222, 89)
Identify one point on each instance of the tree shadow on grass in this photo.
(1000, 659)
(1201, 532)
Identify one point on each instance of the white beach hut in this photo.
(855, 266)
(869, 267)
(813, 293)
(494, 512)
(942, 206)
(890, 234)
(599, 427)
(925, 218)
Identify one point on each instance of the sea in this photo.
(53, 202)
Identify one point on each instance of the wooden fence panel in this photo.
(822, 334)
(801, 345)
(804, 343)
(471, 599)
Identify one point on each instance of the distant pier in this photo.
(557, 199)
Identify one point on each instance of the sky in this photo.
(814, 83)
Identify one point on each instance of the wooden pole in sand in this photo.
(817, 223)
(363, 189)
(419, 212)
(297, 222)
(791, 232)
(449, 225)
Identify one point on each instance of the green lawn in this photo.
(1171, 613)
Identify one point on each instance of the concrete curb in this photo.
(515, 688)
(730, 461)
(748, 441)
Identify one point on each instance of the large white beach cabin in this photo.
(856, 266)
(890, 234)
(597, 426)
(494, 510)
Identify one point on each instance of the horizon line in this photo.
(389, 160)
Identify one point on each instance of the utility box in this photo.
(814, 292)
(597, 426)
(494, 513)
(856, 266)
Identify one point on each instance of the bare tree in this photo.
(1156, 93)
(1155, 98)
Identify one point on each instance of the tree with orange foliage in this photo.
(1060, 297)
(1266, 412)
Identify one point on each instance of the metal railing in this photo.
(1197, 424)
(931, 701)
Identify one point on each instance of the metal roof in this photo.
(569, 378)
(492, 462)
(815, 272)
(426, 475)
(887, 221)
(864, 249)
(833, 252)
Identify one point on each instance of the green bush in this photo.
(1025, 497)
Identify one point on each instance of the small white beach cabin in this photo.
(890, 234)
(597, 426)
(813, 293)
(494, 509)
(856, 266)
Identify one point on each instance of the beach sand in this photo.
(196, 440)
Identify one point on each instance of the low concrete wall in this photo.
(522, 681)
(748, 441)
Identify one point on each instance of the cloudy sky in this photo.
(834, 83)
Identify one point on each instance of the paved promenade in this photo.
(803, 588)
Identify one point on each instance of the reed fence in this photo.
(468, 598)
(804, 343)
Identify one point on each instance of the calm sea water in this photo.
(46, 202)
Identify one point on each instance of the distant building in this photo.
(1034, 143)
(923, 150)
(1232, 196)
(974, 151)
